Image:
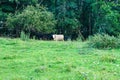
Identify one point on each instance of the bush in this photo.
(32, 18)
(104, 41)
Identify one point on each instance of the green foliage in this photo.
(3, 17)
(73, 17)
(32, 19)
(23, 2)
(104, 41)
(24, 37)
(66, 16)
(106, 19)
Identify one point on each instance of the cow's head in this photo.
(54, 35)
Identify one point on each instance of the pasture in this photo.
(51, 60)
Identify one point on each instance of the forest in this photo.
(73, 18)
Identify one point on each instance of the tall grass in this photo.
(24, 36)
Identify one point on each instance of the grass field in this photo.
(51, 60)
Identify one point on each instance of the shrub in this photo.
(32, 18)
(104, 41)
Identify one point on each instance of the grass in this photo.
(51, 60)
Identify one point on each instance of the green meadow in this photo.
(52, 60)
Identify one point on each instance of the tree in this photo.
(36, 19)
(106, 19)
(73, 17)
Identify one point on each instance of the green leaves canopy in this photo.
(32, 19)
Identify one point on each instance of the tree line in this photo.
(73, 18)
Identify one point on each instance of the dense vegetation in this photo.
(32, 19)
(73, 18)
(97, 58)
(50, 60)
(104, 41)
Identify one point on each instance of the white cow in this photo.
(59, 37)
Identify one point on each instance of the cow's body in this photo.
(59, 37)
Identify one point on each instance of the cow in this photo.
(57, 37)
